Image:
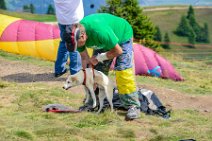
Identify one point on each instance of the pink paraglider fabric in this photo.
(149, 63)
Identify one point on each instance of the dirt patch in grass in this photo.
(21, 72)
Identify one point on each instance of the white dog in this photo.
(89, 77)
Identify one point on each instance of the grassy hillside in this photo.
(29, 16)
(25, 89)
(167, 18)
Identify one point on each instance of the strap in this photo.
(63, 111)
(84, 81)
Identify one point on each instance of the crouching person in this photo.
(110, 36)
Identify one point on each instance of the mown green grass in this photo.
(22, 117)
(29, 16)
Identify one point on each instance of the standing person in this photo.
(68, 13)
(111, 36)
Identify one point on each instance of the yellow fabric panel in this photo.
(56, 45)
(125, 80)
(45, 49)
(5, 22)
(27, 48)
(11, 47)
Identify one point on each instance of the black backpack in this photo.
(150, 103)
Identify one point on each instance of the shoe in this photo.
(132, 113)
(59, 74)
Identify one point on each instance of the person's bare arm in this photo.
(116, 51)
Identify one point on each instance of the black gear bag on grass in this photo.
(150, 103)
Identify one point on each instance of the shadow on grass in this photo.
(27, 77)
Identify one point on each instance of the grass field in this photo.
(22, 117)
(21, 102)
(29, 16)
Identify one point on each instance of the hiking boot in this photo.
(86, 108)
(59, 74)
(132, 113)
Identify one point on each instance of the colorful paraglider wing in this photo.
(148, 62)
(168, 70)
(140, 63)
(29, 38)
(41, 40)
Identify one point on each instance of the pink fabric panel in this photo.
(25, 30)
(140, 64)
(168, 69)
(44, 31)
(149, 56)
(10, 33)
(163, 64)
(56, 32)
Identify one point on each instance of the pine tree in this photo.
(190, 12)
(204, 34)
(32, 8)
(2, 5)
(50, 10)
(191, 39)
(206, 31)
(184, 27)
(166, 41)
(193, 23)
(130, 10)
(26, 8)
(157, 36)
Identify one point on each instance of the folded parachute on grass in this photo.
(41, 40)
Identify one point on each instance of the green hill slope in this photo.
(167, 18)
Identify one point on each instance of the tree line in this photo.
(29, 8)
(190, 28)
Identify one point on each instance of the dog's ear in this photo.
(74, 78)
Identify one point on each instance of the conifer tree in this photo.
(157, 36)
(2, 5)
(190, 12)
(130, 10)
(166, 41)
(191, 39)
(193, 23)
(26, 8)
(32, 8)
(50, 10)
(184, 27)
(206, 31)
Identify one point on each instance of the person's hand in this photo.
(93, 60)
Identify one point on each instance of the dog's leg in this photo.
(91, 90)
(101, 99)
(86, 95)
(109, 95)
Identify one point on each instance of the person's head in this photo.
(74, 36)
